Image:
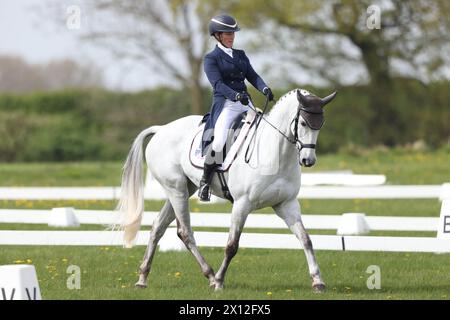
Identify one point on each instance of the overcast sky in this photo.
(39, 40)
(26, 32)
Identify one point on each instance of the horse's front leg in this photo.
(239, 214)
(289, 211)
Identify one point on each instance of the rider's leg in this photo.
(213, 158)
(231, 110)
(209, 168)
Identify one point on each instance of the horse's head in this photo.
(307, 123)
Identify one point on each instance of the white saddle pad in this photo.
(195, 152)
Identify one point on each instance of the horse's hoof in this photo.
(218, 287)
(140, 285)
(319, 288)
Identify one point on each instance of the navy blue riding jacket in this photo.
(227, 76)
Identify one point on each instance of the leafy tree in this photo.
(328, 38)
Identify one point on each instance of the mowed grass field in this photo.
(110, 272)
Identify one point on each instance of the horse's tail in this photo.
(131, 204)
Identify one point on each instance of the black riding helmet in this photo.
(223, 23)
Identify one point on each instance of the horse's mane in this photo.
(281, 104)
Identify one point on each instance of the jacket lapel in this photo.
(234, 60)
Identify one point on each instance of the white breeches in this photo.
(231, 110)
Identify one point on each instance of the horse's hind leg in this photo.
(180, 201)
(290, 212)
(162, 221)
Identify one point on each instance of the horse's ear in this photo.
(328, 99)
(301, 98)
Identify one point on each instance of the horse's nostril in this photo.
(305, 162)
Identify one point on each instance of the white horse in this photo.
(286, 137)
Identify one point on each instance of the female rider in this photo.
(226, 69)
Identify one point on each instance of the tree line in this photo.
(96, 124)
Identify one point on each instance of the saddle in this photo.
(240, 128)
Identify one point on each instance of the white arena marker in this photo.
(444, 221)
(171, 242)
(19, 282)
(353, 224)
(63, 217)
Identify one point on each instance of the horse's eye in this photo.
(303, 123)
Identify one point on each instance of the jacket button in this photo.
(242, 73)
(232, 81)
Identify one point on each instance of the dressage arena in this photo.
(410, 252)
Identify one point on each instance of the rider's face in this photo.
(227, 39)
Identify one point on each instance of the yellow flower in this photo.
(289, 290)
(64, 260)
(177, 274)
(123, 286)
(269, 293)
(19, 261)
(29, 261)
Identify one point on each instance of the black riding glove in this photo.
(267, 92)
(243, 98)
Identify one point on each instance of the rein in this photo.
(296, 141)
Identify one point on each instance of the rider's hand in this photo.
(243, 98)
(267, 92)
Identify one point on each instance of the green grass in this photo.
(110, 273)
(75, 174)
(401, 166)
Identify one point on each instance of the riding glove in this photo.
(242, 97)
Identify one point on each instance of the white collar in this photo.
(228, 51)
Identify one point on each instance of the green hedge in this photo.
(101, 125)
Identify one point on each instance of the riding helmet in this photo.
(223, 23)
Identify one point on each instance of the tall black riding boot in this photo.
(208, 173)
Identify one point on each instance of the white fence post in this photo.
(353, 224)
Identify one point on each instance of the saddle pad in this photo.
(195, 152)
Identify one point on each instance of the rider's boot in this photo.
(208, 172)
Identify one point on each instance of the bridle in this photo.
(298, 143)
(295, 141)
